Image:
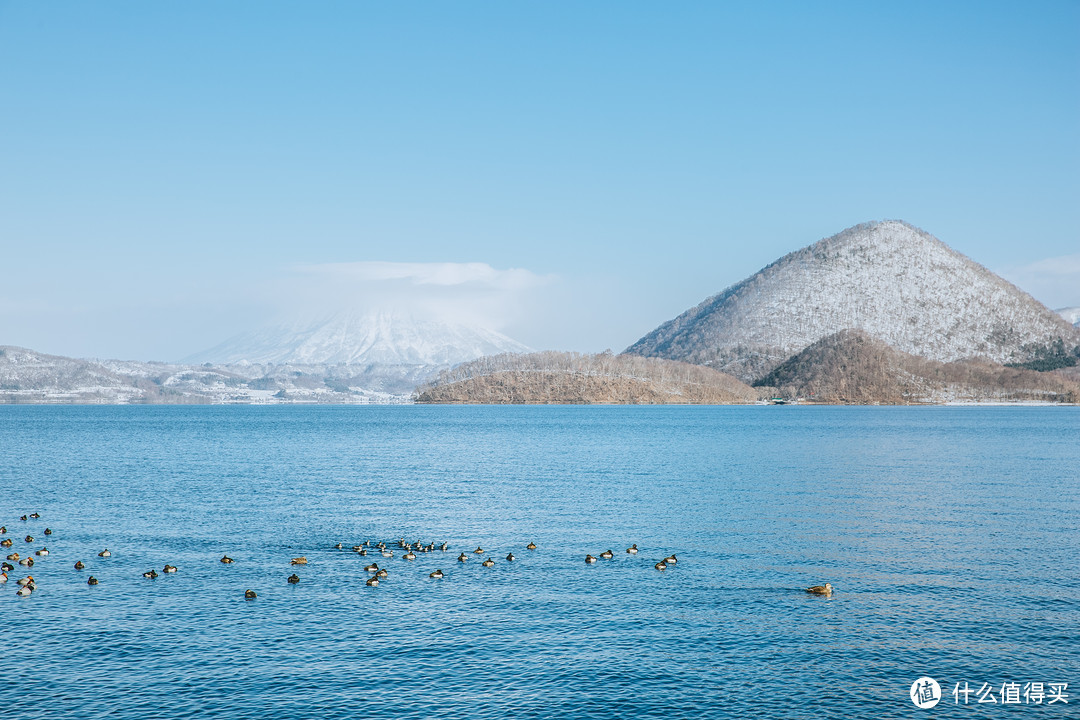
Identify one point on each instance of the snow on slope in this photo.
(382, 337)
(1071, 314)
(889, 279)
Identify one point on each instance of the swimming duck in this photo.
(250, 595)
(22, 582)
(293, 579)
(150, 574)
(23, 518)
(79, 565)
(3, 577)
(478, 551)
(632, 549)
(607, 554)
(438, 575)
(530, 546)
(409, 555)
(169, 569)
(381, 573)
(338, 546)
(91, 580)
(23, 591)
(29, 538)
(388, 553)
(3, 529)
(444, 547)
(363, 552)
(48, 531)
(660, 565)
(372, 568)
(6, 542)
(14, 557)
(373, 582)
(825, 589)
(488, 563)
(226, 559)
(671, 560)
(298, 561)
(462, 557)
(6, 567)
(43, 551)
(35, 516)
(590, 559)
(105, 553)
(27, 562)
(510, 557)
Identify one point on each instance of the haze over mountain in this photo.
(361, 338)
(889, 279)
(1071, 314)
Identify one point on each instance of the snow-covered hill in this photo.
(889, 279)
(1071, 314)
(361, 338)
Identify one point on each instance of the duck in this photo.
(607, 554)
(363, 552)
(23, 518)
(293, 579)
(632, 549)
(488, 563)
(105, 553)
(530, 546)
(6, 542)
(79, 565)
(825, 589)
(3, 577)
(29, 538)
(3, 529)
(338, 546)
(438, 575)
(298, 561)
(150, 574)
(226, 559)
(660, 565)
(14, 557)
(27, 562)
(478, 551)
(671, 560)
(24, 591)
(22, 582)
(462, 557)
(6, 567)
(373, 582)
(250, 595)
(590, 559)
(381, 573)
(169, 569)
(388, 553)
(35, 516)
(43, 551)
(91, 580)
(48, 531)
(510, 557)
(373, 567)
(409, 555)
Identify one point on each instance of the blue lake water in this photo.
(950, 536)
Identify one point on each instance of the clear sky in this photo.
(173, 173)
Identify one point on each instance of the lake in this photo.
(950, 536)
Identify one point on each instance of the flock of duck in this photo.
(408, 552)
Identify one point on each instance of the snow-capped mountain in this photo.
(1071, 314)
(374, 337)
(888, 279)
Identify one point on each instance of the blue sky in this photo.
(170, 173)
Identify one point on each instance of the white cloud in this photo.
(1053, 281)
(474, 293)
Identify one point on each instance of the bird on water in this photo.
(825, 589)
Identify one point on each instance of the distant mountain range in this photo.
(361, 338)
(888, 279)
(1071, 314)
